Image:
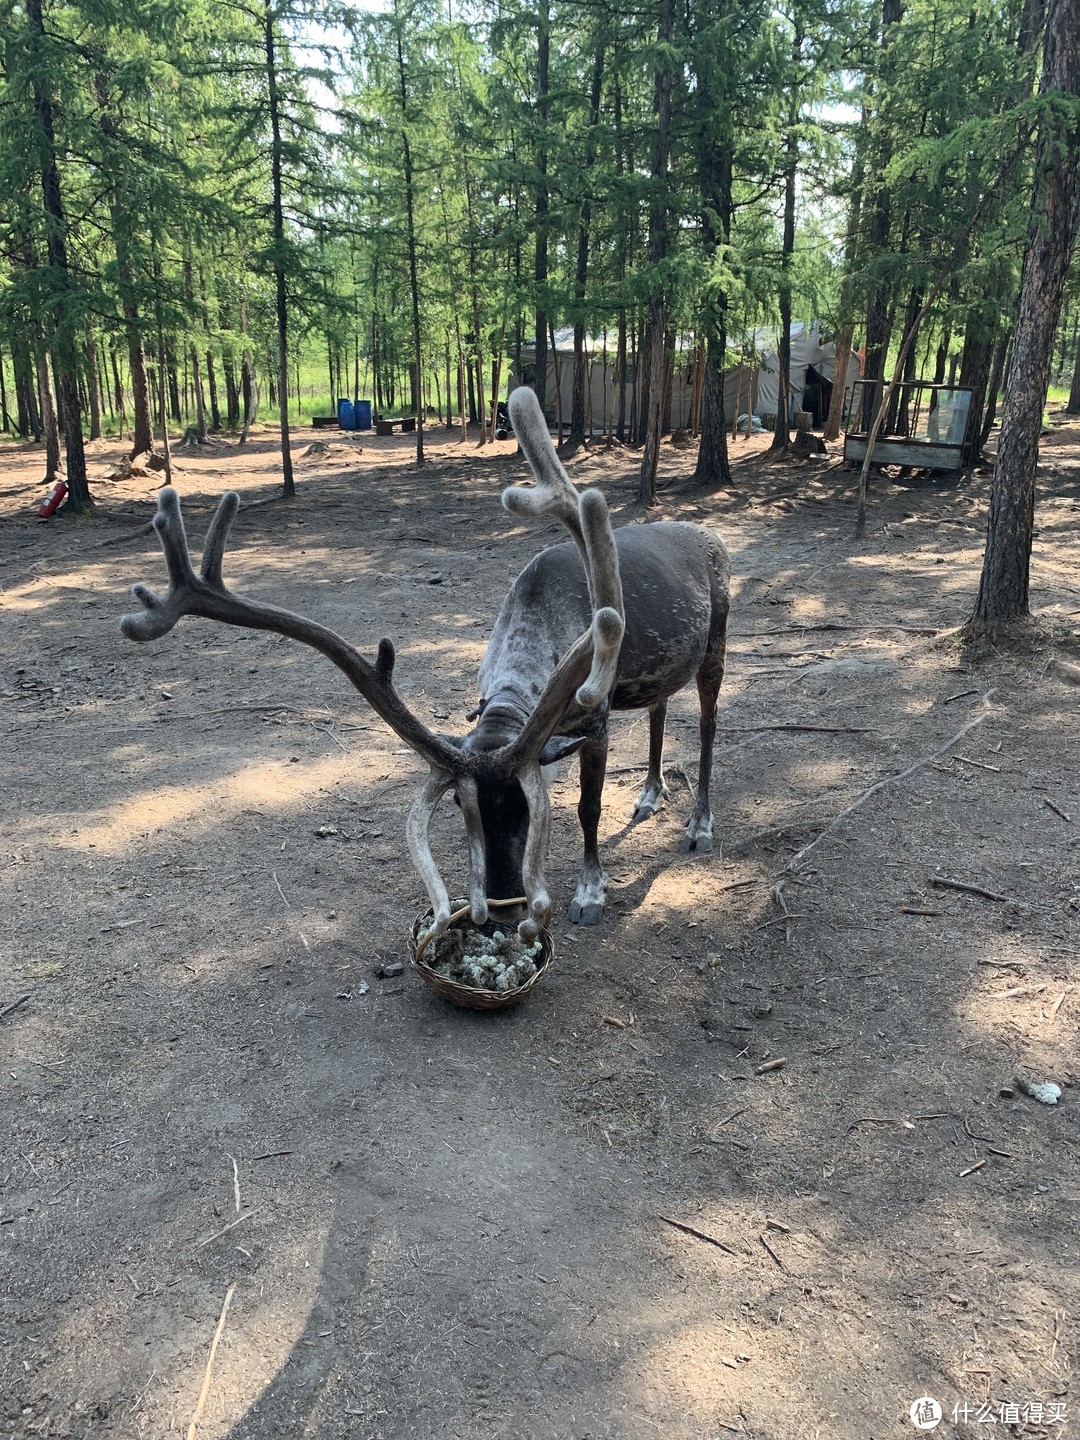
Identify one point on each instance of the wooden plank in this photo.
(905, 452)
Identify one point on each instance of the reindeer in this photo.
(608, 620)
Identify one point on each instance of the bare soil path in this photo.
(611, 1212)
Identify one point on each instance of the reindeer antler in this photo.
(205, 594)
(555, 493)
(585, 515)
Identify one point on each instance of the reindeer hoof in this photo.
(649, 803)
(590, 914)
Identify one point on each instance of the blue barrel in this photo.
(362, 415)
(346, 417)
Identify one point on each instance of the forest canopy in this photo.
(210, 208)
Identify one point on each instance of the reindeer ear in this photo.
(559, 747)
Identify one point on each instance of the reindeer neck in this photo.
(501, 721)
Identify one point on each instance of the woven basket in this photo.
(471, 997)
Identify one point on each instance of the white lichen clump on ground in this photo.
(499, 961)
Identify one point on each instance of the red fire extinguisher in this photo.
(55, 499)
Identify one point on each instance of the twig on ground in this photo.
(770, 1065)
(270, 1155)
(832, 625)
(281, 892)
(919, 910)
(700, 1235)
(328, 730)
(681, 773)
(254, 710)
(972, 1168)
(236, 1184)
(1056, 1006)
(204, 1393)
(771, 1251)
(226, 1228)
(981, 764)
(779, 919)
(889, 780)
(944, 883)
(1057, 810)
(785, 725)
(14, 1005)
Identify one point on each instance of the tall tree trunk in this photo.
(1004, 585)
(79, 498)
(281, 299)
(118, 390)
(5, 419)
(715, 171)
(410, 240)
(556, 368)
(232, 394)
(878, 314)
(449, 396)
(581, 273)
(1074, 389)
(142, 423)
(49, 422)
(93, 385)
(211, 371)
(659, 246)
(975, 362)
(782, 429)
(247, 378)
(142, 433)
(22, 363)
(993, 389)
(540, 268)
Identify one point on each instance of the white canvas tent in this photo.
(748, 388)
(813, 359)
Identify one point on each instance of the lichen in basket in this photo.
(499, 961)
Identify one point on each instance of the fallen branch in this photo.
(785, 725)
(943, 883)
(771, 1251)
(888, 780)
(700, 1235)
(831, 625)
(226, 1228)
(204, 1393)
(14, 1005)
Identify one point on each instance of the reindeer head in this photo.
(500, 789)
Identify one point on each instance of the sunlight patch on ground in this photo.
(274, 784)
(260, 1334)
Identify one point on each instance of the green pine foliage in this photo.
(361, 220)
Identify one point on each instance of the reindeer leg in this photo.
(655, 791)
(698, 837)
(588, 904)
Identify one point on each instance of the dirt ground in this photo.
(599, 1214)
